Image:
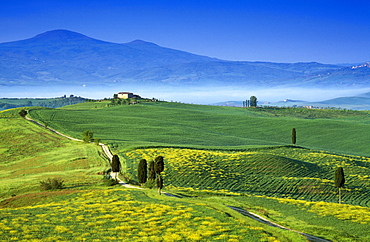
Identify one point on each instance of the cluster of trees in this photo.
(151, 173)
(252, 102)
(128, 101)
(63, 101)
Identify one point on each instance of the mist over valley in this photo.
(62, 62)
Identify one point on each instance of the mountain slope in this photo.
(68, 58)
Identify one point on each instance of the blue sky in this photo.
(279, 31)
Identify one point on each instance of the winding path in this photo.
(251, 215)
(104, 147)
(272, 224)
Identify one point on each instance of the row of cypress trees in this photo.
(155, 169)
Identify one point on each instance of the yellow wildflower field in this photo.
(120, 215)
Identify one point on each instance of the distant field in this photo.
(183, 125)
(8, 103)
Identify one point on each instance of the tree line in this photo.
(48, 103)
(252, 102)
(151, 173)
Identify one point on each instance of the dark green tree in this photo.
(116, 166)
(253, 101)
(142, 172)
(294, 136)
(23, 113)
(158, 168)
(87, 136)
(159, 165)
(151, 171)
(339, 181)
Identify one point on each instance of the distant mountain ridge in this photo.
(62, 57)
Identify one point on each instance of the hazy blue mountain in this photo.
(62, 57)
(358, 102)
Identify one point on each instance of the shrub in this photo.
(150, 183)
(87, 136)
(97, 141)
(108, 181)
(128, 178)
(52, 184)
(23, 113)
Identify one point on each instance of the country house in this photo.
(126, 95)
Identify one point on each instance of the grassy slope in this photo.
(171, 124)
(280, 172)
(29, 154)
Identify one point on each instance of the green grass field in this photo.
(30, 154)
(214, 157)
(183, 125)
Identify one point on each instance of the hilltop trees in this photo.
(339, 180)
(142, 172)
(253, 101)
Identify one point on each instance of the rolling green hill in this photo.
(30, 154)
(215, 157)
(277, 172)
(184, 125)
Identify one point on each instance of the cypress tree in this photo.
(294, 136)
(253, 101)
(339, 180)
(142, 171)
(116, 166)
(159, 165)
(151, 171)
(158, 168)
